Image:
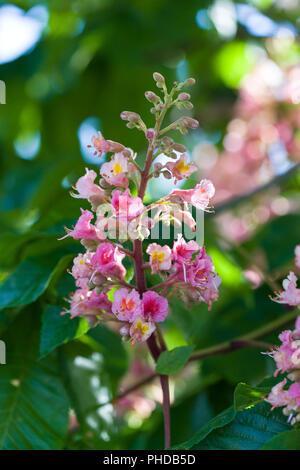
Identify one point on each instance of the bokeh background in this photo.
(70, 68)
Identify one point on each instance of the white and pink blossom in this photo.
(160, 257)
(114, 172)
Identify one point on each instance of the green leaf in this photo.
(246, 396)
(30, 280)
(249, 430)
(34, 407)
(248, 424)
(170, 362)
(58, 329)
(288, 440)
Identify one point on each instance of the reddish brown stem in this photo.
(142, 286)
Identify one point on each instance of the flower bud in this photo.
(104, 183)
(187, 121)
(184, 96)
(167, 174)
(130, 125)
(171, 154)
(157, 166)
(188, 105)
(159, 79)
(128, 153)
(124, 331)
(130, 116)
(179, 148)
(190, 82)
(152, 97)
(167, 141)
(150, 134)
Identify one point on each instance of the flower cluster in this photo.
(287, 359)
(118, 214)
(290, 294)
(287, 355)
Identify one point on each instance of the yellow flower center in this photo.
(182, 167)
(81, 261)
(159, 257)
(117, 169)
(143, 328)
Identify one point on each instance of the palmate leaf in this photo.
(58, 329)
(31, 278)
(247, 425)
(33, 402)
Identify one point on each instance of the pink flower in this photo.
(210, 289)
(87, 303)
(183, 251)
(108, 261)
(181, 168)
(202, 282)
(114, 171)
(141, 330)
(84, 229)
(101, 145)
(127, 304)
(200, 196)
(290, 295)
(198, 272)
(177, 216)
(87, 189)
(287, 355)
(294, 393)
(278, 396)
(126, 206)
(155, 307)
(160, 257)
(283, 355)
(297, 256)
(82, 269)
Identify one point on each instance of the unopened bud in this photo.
(130, 116)
(179, 148)
(124, 331)
(127, 153)
(167, 174)
(159, 79)
(157, 166)
(190, 82)
(130, 125)
(167, 141)
(188, 105)
(104, 183)
(150, 134)
(152, 97)
(189, 122)
(184, 96)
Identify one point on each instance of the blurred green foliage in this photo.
(95, 59)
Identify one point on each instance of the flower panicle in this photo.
(118, 216)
